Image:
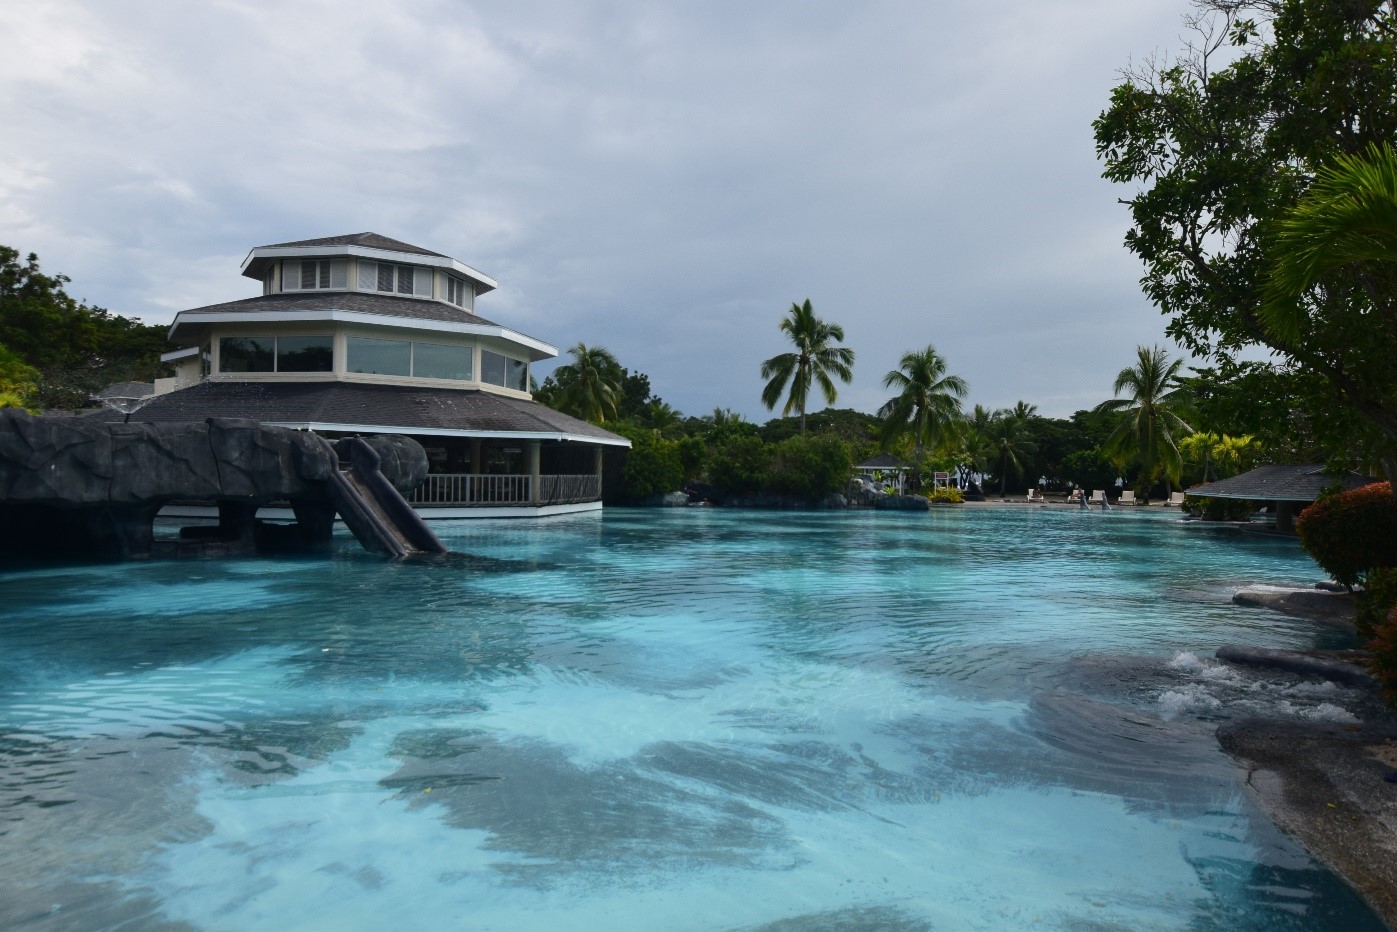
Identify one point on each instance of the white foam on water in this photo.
(1187, 699)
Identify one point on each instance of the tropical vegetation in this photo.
(815, 361)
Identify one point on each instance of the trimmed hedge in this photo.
(1352, 533)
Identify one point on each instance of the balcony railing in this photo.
(464, 490)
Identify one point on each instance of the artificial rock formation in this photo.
(75, 485)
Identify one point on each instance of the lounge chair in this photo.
(1128, 497)
(1098, 496)
(1176, 498)
(1034, 495)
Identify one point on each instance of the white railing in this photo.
(467, 489)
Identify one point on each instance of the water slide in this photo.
(374, 510)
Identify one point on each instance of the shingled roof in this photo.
(1296, 483)
(367, 240)
(360, 406)
(365, 302)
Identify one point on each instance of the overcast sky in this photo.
(662, 179)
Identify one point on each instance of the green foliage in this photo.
(1222, 152)
(809, 467)
(740, 466)
(945, 496)
(1382, 649)
(693, 453)
(1375, 603)
(927, 403)
(1219, 456)
(1148, 422)
(76, 349)
(589, 387)
(653, 464)
(1218, 509)
(19, 383)
(1352, 533)
(815, 360)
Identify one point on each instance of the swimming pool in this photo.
(684, 719)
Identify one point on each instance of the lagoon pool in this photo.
(641, 720)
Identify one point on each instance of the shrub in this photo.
(740, 466)
(1219, 509)
(1375, 601)
(1351, 533)
(652, 467)
(1382, 656)
(809, 467)
(945, 496)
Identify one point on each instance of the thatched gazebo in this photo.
(1289, 488)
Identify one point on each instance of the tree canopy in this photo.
(73, 349)
(1224, 140)
(815, 361)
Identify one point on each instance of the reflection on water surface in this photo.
(684, 719)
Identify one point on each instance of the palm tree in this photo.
(1007, 430)
(927, 403)
(1148, 424)
(1348, 216)
(814, 360)
(590, 385)
(974, 448)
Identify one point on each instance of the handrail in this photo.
(486, 489)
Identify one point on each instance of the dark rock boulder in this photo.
(901, 503)
(88, 487)
(404, 462)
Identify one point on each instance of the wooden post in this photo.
(533, 471)
(598, 457)
(477, 457)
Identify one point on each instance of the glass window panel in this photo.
(368, 276)
(246, 354)
(305, 354)
(492, 367)
(324, 275)
(307, 274)
(439, 361)
(516, 375)
(405, 279)
(385, 277)
(380, 357)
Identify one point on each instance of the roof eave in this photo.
(187, 321)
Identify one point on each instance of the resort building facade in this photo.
(362, 334)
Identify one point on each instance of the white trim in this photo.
(174, 355)
(319, 426)
(191, 318)
(387, 255)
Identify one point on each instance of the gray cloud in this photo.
(663, 180)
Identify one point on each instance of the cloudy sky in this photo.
(662, 179)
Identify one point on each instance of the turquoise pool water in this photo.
(690, 719)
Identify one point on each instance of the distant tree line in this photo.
(57, 352)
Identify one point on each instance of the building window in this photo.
(456, 291)
(379, 357)
(440, 361)
(399, 357)
(502, 370)
(314, 274)
(276, 354)
(247, 354)
(395, 279)
(305, 354)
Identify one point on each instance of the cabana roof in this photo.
(1294, 483)
(881, 461)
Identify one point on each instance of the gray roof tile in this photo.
(367, 240)
(1293, 483)
(352, 403)
(366, 302)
